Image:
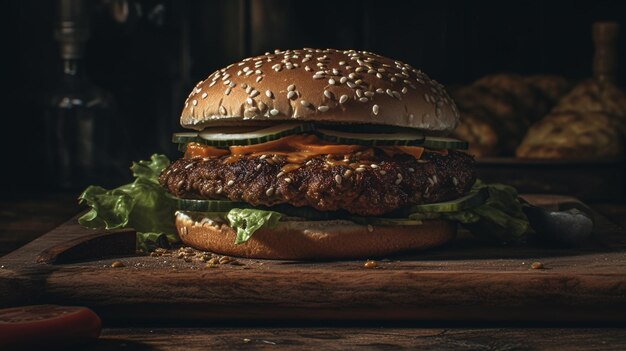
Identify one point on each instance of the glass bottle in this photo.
(79, 116)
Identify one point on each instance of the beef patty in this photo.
(357, 184)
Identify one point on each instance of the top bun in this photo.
(329, 86)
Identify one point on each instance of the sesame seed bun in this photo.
(305, 240)
(329, 86)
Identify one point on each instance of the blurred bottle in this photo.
(80, 139)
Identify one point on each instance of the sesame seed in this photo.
(269, 191)
(307, 68)
(230, 182)
(389, 92)
(347, 173)
(269, 94)
(398, 181)
(455, 181)
(359, 170)
(359, 93)
(287, 180)
(370, 228)
(291, 87)
(258, 71)
(331, 81)
(336, 71)
(258, 166)
(259, 78)
(222, 110)
(322, 108)
(380, 91)
(411, 169)
(351, 85)
(254, 93)
(227, 91)
(404, 90)
(273, 112)
(399, 175)
(318, 76)
(375, 109)
(363, 99)
(343, 80)
(373, 165)
(212, 84)
(328, 94)
(383, 172)
(219, 190)
(291, 95)
(369, 93)
(431, 181)
(305, 103)
(396, 95)
(342, 99)
(263, 157)
(244, 86)
(338, 179)
(249, 101)
(204, 95)
(341, 63)
(248, 90)
(435, 179)
(194, 102)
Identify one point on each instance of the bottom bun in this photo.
(307, 240)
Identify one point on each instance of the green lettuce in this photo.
(499, 219)
(246, 221)
(142, 205)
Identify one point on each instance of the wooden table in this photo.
(24, 219)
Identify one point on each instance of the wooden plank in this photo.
(348, 338)
(465, 281)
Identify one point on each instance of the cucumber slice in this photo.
(437, 143)
(221, 137)
(183, 138)
(385, 221)
(225, 206)
(460, 204)
(372, 139)
(208, 205)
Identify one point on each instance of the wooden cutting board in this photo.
(464, 281)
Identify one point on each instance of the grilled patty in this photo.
(326, 182)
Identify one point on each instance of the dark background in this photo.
(152, 60)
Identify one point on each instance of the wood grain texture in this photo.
(465, 281)
(349, 338)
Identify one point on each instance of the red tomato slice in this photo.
(47, 325)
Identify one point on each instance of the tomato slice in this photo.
(47, 325)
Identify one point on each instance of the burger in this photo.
(311, 154)
(340, 144)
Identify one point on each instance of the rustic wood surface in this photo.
(368, 338)
(465, 281)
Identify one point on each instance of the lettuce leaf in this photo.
(142, 205)
(499, 219)
(246, 221)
